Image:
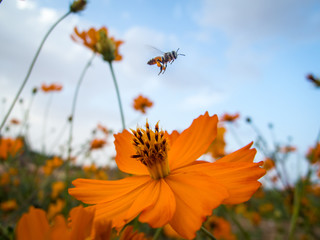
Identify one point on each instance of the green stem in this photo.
(296, 208)
(74, 102)
(157, 234)
(30, 69)
(206, 232)
(118, 95)
(45, 121)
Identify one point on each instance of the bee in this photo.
(162, 61)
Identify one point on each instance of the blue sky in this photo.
(245, 56)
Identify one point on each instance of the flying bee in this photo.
(162, 61)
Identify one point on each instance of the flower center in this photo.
(152, 150)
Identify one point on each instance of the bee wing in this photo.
(156, 50)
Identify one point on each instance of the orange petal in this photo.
(125, 149)
(33, 225)
(162, 206)
(193, 142)
(240, 178)
(112, 198)
(60, 229)
(244, 154)
(81, 222)
(93, 191)
(172, 137)
(196, 196)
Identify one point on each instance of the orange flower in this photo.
(268, 164)
(57, 188)
(55, 208)
(52, 164)
(216, 148)
(141, 103)
(168, 184)
(15, 121)
(103, 129)
(97, 143)
(229, 117)
(10, 147)
(313, 154)
(130, 233)
(52, 87)
(288, 149)
(35, 225)
(99, 42)
(220, 228)
(9, 205)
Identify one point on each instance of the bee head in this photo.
(176, 54)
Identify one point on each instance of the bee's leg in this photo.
(164, 68)
(172, 61)
(161, 68)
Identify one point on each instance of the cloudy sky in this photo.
(244, 56)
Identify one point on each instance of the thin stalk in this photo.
(74, 102)
(45, 121)
(118, 95)
(296, 208)
(157, 234)
(206, 232)
(30, 69)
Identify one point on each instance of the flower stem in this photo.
(205, 231)
(45, 122)
(118, 95)
(157, 234)
(298, 192)
(30, 69)
(75, 97)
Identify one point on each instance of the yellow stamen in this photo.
(152, 150)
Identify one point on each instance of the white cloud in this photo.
(252, 20)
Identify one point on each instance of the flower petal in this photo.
(93, 191)
(240, 178)
(33, 225)
(244, 154)
(125, 149)
(163, 205)
(193, 142)
(112, 198)
(81, 222)
(196, 196)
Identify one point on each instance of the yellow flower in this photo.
(9, 205)
(168, 185)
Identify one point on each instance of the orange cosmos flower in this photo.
(14, 121)
(10, 147)
(168, 185)
(288, 149)
(220, 228)
(313, 154)
(103, 129)
(268, 164)
(35, 225)
(216, 148)
(97, 143)
(99, 42)
(51, 88)
(9, 205)
(141, 103)
(57, 188)
(229, 117)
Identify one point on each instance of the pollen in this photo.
(152, 150)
